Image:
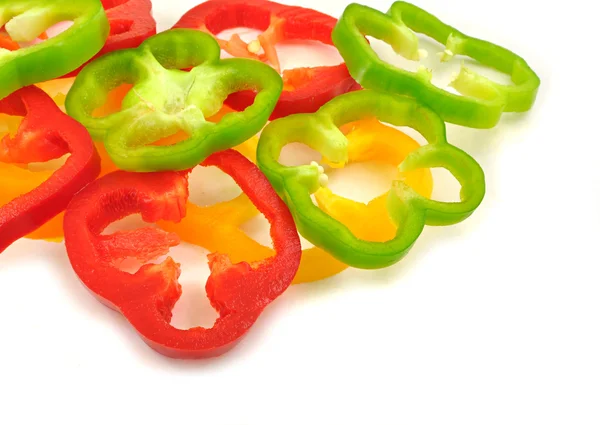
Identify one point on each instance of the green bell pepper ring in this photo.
(410, 211)
(25, 20)
(165, 100)
(482, 102)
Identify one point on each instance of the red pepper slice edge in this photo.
(131, 23)
(239, 292)
(48, 133)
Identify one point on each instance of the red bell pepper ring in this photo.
(45, 133)
(131, 22)
(305, 89)
(239, 292)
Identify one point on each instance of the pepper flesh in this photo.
(481, 101)
(238, 291)
(7, 43)
(306, 89)
(25, 181)
(370, 140)
(165, 100)
(131, 23)
(53, 229)
(44, 134)
(409, 210)
(217, 227)
(25, 20)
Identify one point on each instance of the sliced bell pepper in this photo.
(6, 43)
(409, 210)
(238, 291)
(481, 101)
(370, 140)
(45, 133)
(53, 229)
(305, 89)
(165, 100)
(217, 227)
(131, 23)
(25, 20)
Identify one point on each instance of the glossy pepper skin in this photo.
(217, 227)
(53, 229)
(45, 133)
(131, 23)
(29, 180)
(6, 43)
(25, 20)
(481, 101)
(371, 141)
(305, 89)
(238, 291)
(409, 210)
(165, 100)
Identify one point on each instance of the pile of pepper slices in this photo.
(143, 109)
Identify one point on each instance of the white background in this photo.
(493, 321)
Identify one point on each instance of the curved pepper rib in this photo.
(481, 101)
(309, 88)
(45, 133)
(239, 292)
(28, 180)
(53, 230)
(218, 227)
(165, 100)
(410, 210)
(370, 140)
(25, 20)
(131, 23)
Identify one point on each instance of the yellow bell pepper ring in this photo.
(217, 227)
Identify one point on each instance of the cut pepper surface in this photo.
(305, 89)
(131, 23)
(165, 100)
(408, 209)
(217, 227)
(30, 176)
(57, 89)
(238, 291)
(30, 199)
(481, 101)
(24, 21)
